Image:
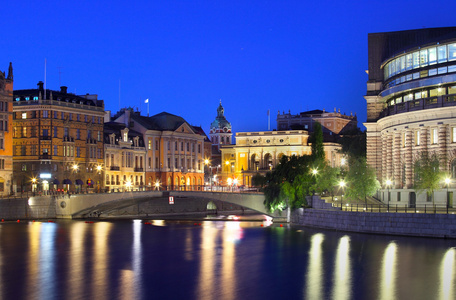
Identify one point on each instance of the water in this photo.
(217, 260)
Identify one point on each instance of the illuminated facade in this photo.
(260, 152)
(57, 140)
(6, 136)
(174, 149)
(411, 104)
(331, 122)
(220, 132)
(125, 157)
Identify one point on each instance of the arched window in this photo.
(453, 168)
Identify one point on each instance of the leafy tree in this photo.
(258, 180)
(318, 152)
(361, 179)
(428, 175)
(353, 143)
(327, 179)
(288, 184)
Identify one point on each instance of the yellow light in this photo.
(98, 168)
(206, 161)
(227, 163)
(342, 183)
(342, 161)
(34, 180)
(235, 181)
(128, 184)
(447, 181)
(314, 171)
(75, 167)
(230, 181)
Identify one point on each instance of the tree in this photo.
(288, 184)
(318, 152)
(428, 175)
(353, 143)
(258, 180)
(327, 179)
(361, 179)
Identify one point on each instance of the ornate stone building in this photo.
(57, 140)
(411, 107)
(260, 152)
(125, 157)
(6, 136)
(220, 132)
(174, 149)
(331, 122)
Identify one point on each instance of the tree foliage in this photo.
(353, 143)
(428, 175)
(258, 180)
(288, 183)
(318, 152)
(327, 179)
(361, 180)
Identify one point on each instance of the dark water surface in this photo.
(217, 260)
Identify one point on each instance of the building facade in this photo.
(331, 122)
(57, 140)
(220, 131)
(411, 104)
(174, 150)
(260, 152)
(6, 132)
(125, 157)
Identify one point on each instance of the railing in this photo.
(43, 137)
(139, 169)
(396, 208)
(45, 156)
(114, 168)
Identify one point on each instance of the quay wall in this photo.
(28, 208)
(406, 224)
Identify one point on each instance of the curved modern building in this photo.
(411, 107)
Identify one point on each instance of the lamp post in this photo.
(342, 186)
(33, 185)
(447, 182)
(388, 183)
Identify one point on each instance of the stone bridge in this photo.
(154, 203)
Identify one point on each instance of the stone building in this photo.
(174, 149)
(260, 152)
(57, 140)
(331, 122)
(125, 157)
(411, 107)
(6, 136)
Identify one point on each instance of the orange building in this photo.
(6, 136)
(174, 149)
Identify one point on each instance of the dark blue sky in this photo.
(187, 55)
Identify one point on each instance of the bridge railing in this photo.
(406, 208)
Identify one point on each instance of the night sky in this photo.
(187, 55)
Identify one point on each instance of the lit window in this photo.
(454, 135)
(27, 98)
(417, 138)
(35, 98)
(18, 98)
(24, 115)
(435, 136)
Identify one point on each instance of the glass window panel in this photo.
(408, 97)
(423, 73)
(452, 89)
(393, 68)
(451, 69)
(416, 59)
(403, 79)
(442, 70)
(433, 92)
(385, 71)
(424, 58)
(442, 53)
(441, 91)
(409, 77)
(402, 59)
(418, 95)
(409, 62)
(391, 102)
(416, 75)
(432, 56)
(432, 72)
(398, 65)
(424, 94)
(452, 52)
(398, 100)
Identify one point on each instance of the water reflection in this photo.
(342, 272)
(388, 275)
(33, 259)
(207, 257)
(447, 283)
(47, 261)
(100, 259)
(130, 279)
(314, 276)
(76, 260)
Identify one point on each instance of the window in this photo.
(453, 136)
(89, 134)
(451, 52)
(188, 146)
(398, 196)
(55, 150)
(182, 146)
(442, 53)
(24, 132)
(99, 136)
(45, 132)
(453, 168)
(78, 133)
(149, 144)
(424, 58)
(45, 114)
(27, 98)
(434, 136)
(71, 116)
(78, 152)
(416, 59)
(156, 163)
(24, 115)
(156, 145)
(432, 56)
(55, 131)
(66, 132)
(408, 61)
(55, 114)
(417, 138)
(199, 148)
(175, 146)
(77, 117)
(24, 167)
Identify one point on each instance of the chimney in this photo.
(40, 85)
(63, 89)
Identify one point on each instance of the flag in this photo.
(146, 101)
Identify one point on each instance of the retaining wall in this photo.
(27, 208)
(408, 224)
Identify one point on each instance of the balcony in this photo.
(45, 156)
(45, 138)
(139, 169)
(114, 168)
(419, 104)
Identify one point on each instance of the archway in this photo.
(267, 162)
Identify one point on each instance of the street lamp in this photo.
(33, 184)
(128, 185)
(314, 172)
(342, 186)
(447, 182)
(388, 183)
(75, 168)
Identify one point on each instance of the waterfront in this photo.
(217, 260)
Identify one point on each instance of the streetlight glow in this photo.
(314, 171)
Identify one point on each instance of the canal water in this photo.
(217, 260)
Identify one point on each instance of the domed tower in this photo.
(220, 129)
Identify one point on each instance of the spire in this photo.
(10, 71)
(220, 110)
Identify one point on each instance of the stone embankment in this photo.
(406, 224)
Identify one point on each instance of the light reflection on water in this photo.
(217, 260)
